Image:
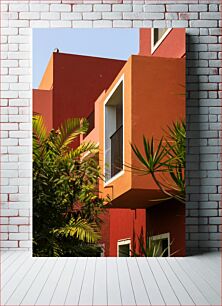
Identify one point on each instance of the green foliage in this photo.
(165, 161)
(151, 248)
(66, 202)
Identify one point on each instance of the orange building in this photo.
(124, 100)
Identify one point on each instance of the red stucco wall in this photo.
(43, 105)
(77, 83)
(124, 224)
(168, 217)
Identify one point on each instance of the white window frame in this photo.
(156, 45)
(121, 80)
(161, 237)
(124, 242)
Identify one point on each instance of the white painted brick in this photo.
(162, 24)
(4, 39)
(13, 47)
(112, 15)
(18, 23)
(25, 31)
(9, 94)
(9, 78)
(198, 7)
(19, 118)
(137, 7)
(207, 15)
(122, 8)
(51, 16)
(8, 244)
(135, 15)
(102, 7)
(171, 16)
(3, 102)
(179, 23)
(83, 8)
(4, 7)
(36, 7)
(177, 8)
(17, 39)
(4, 134)
(24, 229)
(19, 149)
(9, 142)
(4, 220)
(29, 15)
(9, 212)
(9, 173)
(18, 7)
(102, 23)
(203, 23)
(60, 8)
(8, 16)
(137, 23)
(39, 24)
(93, 15)
(25, 244)
(154, 8)
(19, 55)
(23, 212)
(60, 24)
(9, 31)
(82, 24)
(20, 71)
(122, 23)
(9, 63)
(19, 102)
(4, 236)
(71, 16)
(18, 236)
(19, 220)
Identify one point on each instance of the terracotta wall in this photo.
(43, 105)
(173, 46)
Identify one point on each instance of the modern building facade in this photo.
(124, 100)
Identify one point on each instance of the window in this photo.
(163, 243)
(114, 132)
(157, 36)
(123, 248)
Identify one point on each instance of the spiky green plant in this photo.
(150, 248)
(66, 203)
(164, 160)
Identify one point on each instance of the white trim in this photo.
(155, 46)
(104, 130)
(123, 242)
(163, 236)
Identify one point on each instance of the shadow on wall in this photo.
(194, 222)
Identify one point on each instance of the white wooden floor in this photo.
(192, 280)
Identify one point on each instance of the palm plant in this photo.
(66, 203)
(165, 161)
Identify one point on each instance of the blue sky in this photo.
(110, 43)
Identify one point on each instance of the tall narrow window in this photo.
(123, 248)
(114, 133)
(157, 36)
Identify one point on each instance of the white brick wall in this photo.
(201, 18)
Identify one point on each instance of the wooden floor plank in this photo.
(86, 294)
(137, 282)
(152, 287)
(17, 278)
(13, 269)
(36, 287)
(166, 289)
(113, 286)
(126, 289)
(62, 288)
(100, 283)
(187, 282)
(208, 292)
(11, 261)
(75, 286)
(47, 292)
(181, 293)
(21, 290)
(213, 279)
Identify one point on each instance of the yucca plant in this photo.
(150, 248)
(66, 204)
(164, 160)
